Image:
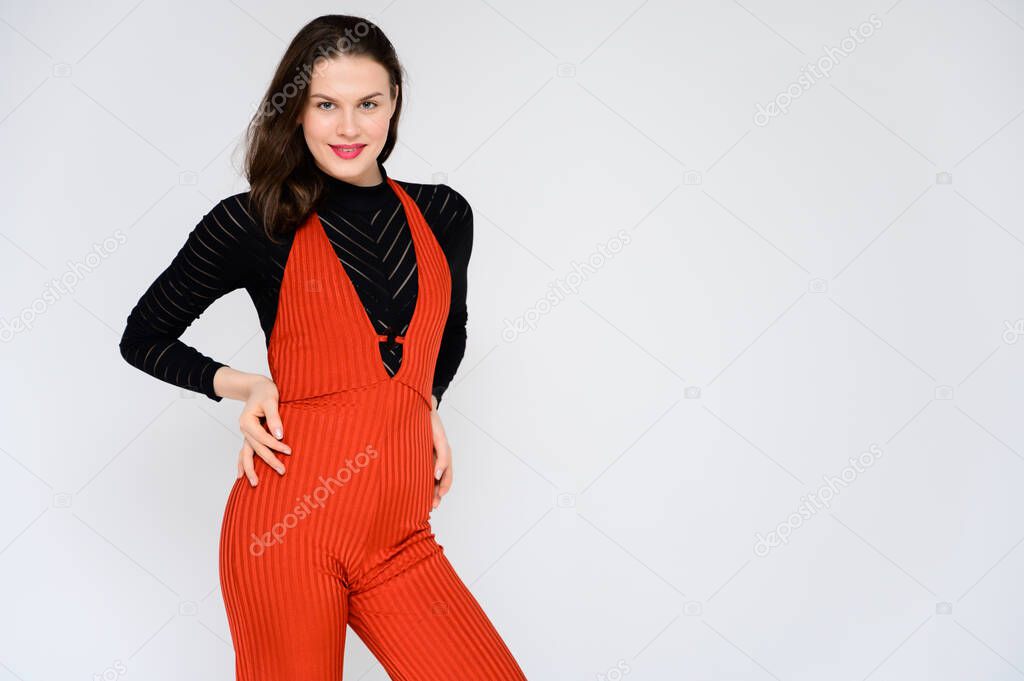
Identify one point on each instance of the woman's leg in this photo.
(423, 624)
(286, 603)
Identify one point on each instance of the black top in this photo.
(366, 226)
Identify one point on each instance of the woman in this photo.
(360, 285)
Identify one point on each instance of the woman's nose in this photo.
(347, 123)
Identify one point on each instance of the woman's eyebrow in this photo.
(331, 99)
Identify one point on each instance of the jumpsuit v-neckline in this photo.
(351, 355)
(345, 281)
(344, 536)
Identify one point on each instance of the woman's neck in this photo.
(341, 195)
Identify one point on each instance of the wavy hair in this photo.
(284, 181)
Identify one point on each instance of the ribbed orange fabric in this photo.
(344, 536)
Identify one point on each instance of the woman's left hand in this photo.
(442, 456)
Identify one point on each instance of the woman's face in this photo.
(349, 105)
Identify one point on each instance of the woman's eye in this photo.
(373, 105)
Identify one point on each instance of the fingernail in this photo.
(279, 433)
(287, 450)
(437, 474)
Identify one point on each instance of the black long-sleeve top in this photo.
(366, 226)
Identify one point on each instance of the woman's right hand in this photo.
(261, 403)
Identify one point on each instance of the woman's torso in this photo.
(370, 235)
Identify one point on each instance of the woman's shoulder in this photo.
(234, 215)
(445, 209)
(232, 221)
(226, 240)
(457, 219)
(456, 202)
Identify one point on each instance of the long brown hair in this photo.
(285, 183)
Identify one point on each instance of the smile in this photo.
(347, 151)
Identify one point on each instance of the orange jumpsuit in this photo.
(344, 536)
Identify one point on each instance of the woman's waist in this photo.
(342, 398)
(373, 393)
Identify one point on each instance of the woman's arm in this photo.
(457, 243)
(215, 260)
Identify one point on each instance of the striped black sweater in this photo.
(367, 228)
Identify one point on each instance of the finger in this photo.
(443, 459)
(274, 424)
(439, 437)
(247, 465)
(257, 434)
(268, 456)
(272, 461)
(446, 482)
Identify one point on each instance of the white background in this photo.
(846, 276)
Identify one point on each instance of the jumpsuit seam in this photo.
(362, 568)
(408, 567)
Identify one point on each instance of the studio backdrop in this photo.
(741, 397)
